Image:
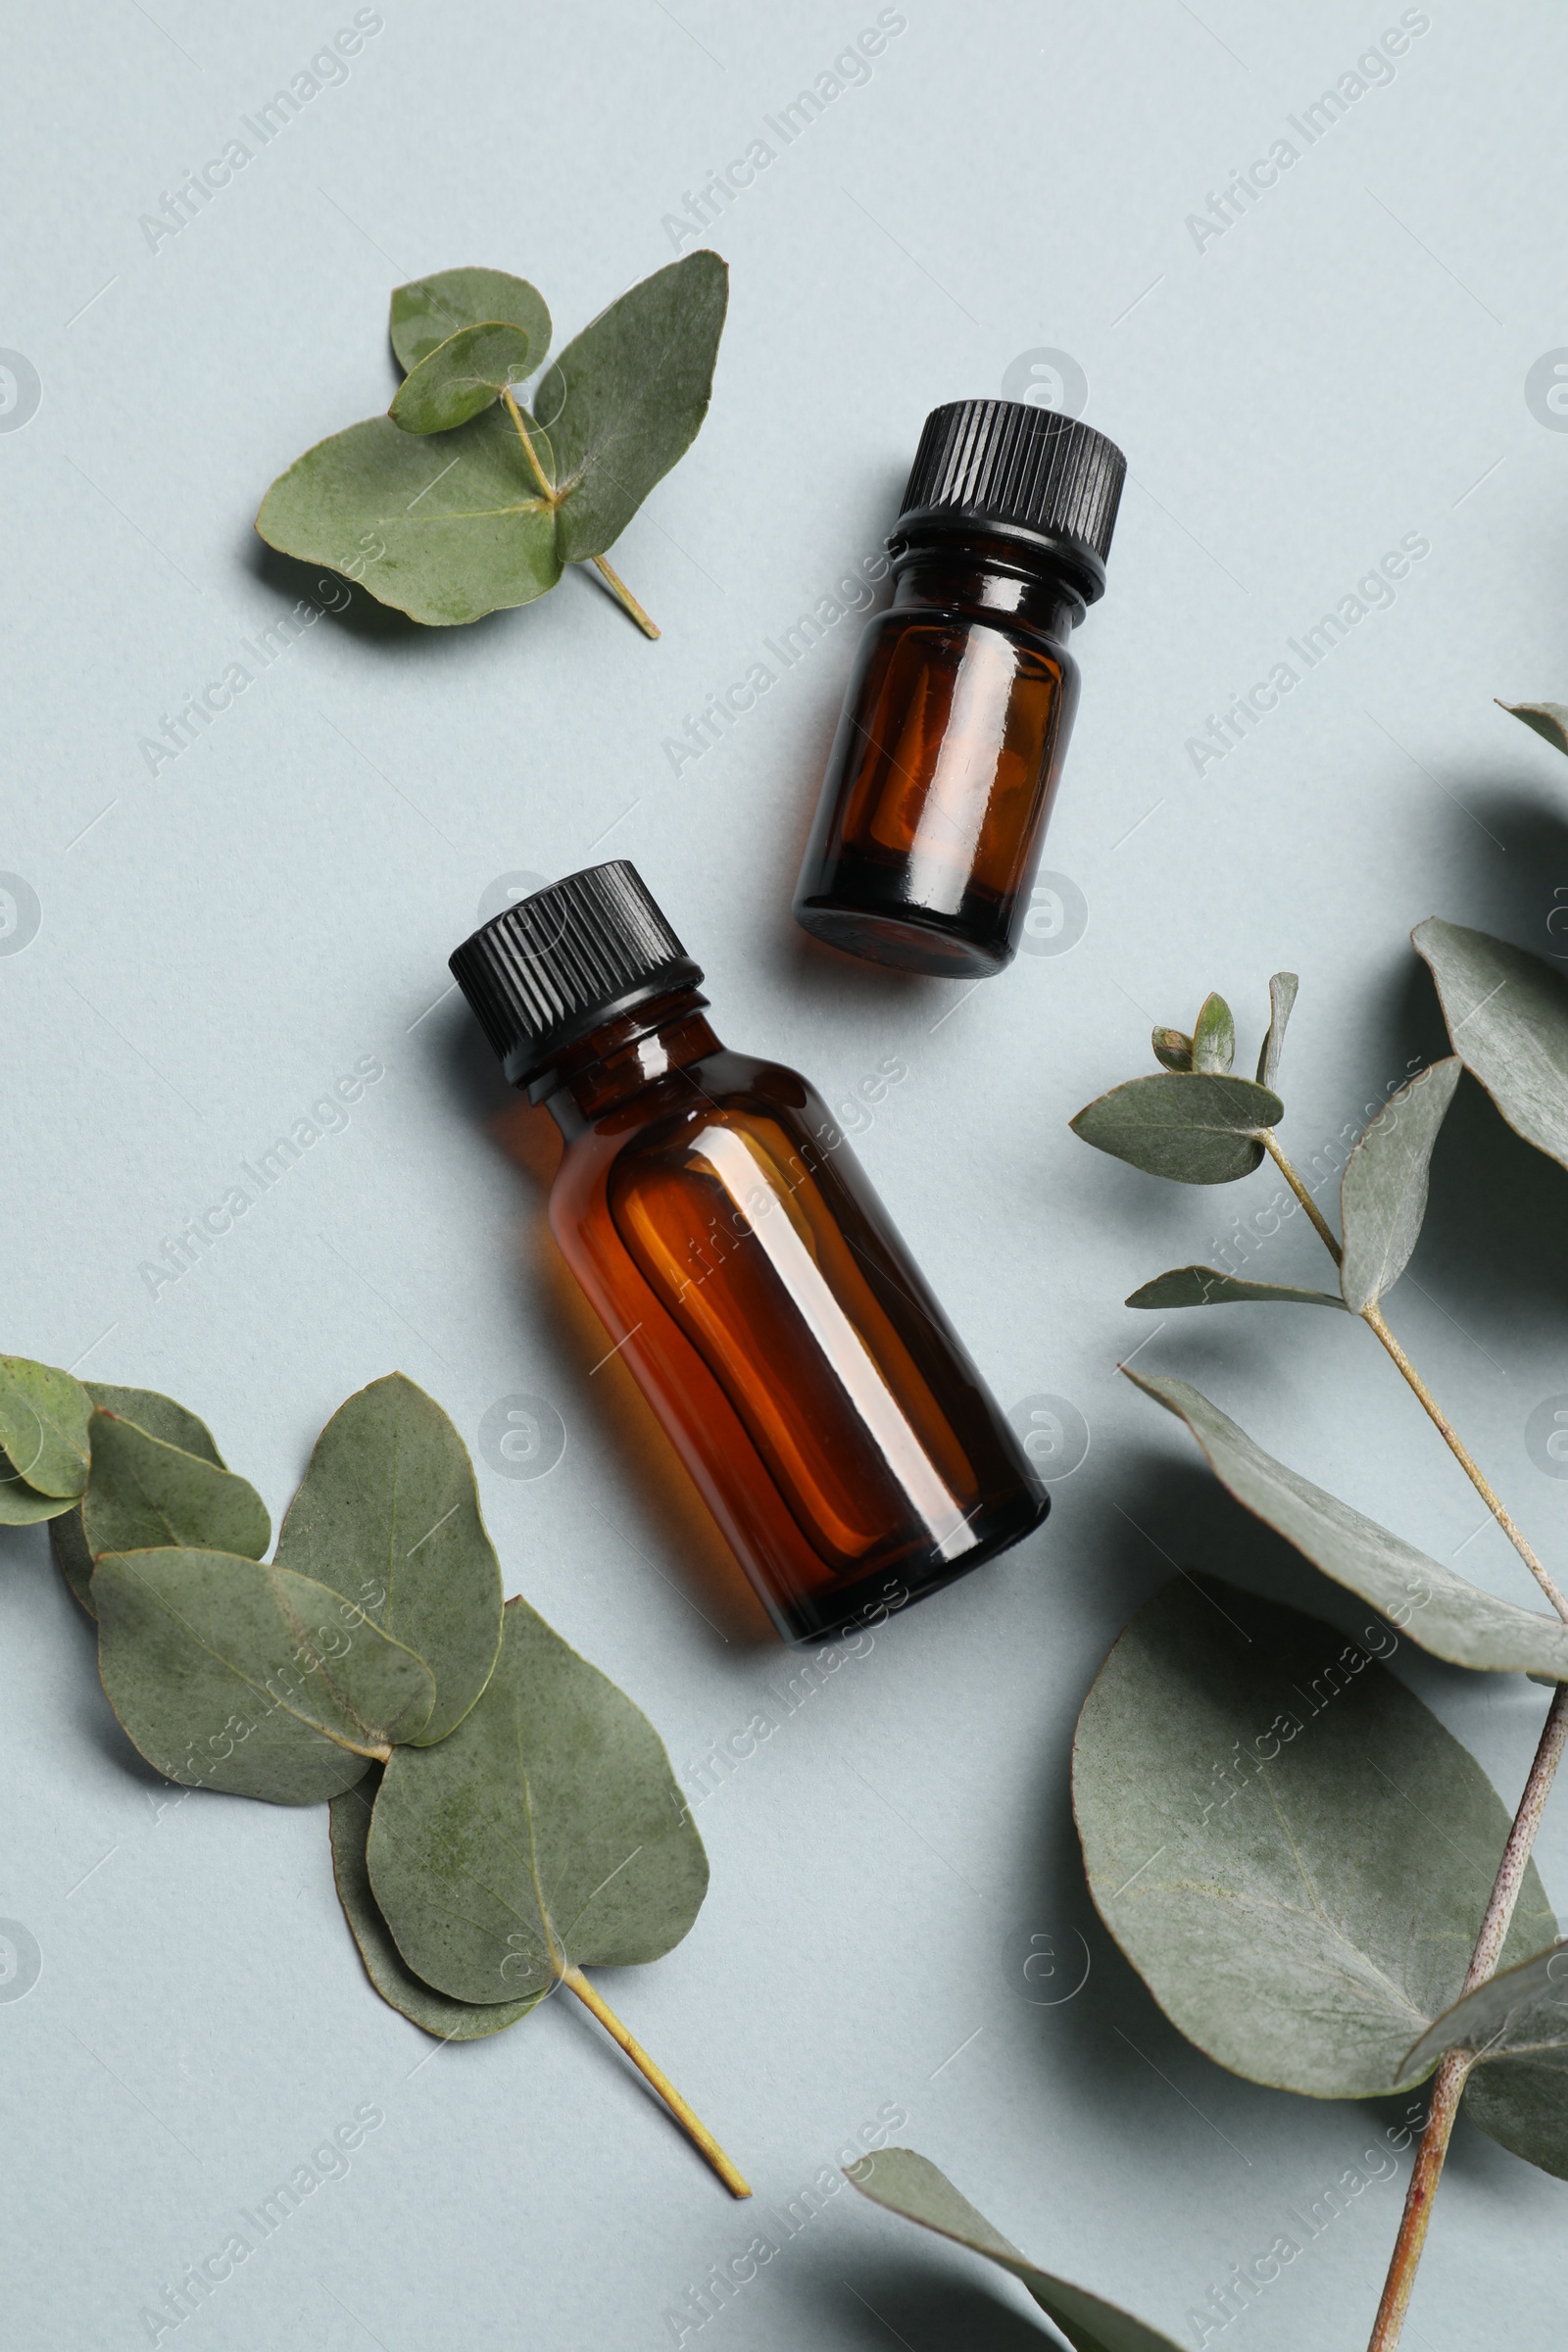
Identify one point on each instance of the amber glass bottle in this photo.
(956, 722)
(746, 1273)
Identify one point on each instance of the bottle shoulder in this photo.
(729, 1086)
(939, 628)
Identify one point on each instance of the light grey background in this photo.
(1343, 365)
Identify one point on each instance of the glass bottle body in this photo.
(756, 1291)
(947, 758)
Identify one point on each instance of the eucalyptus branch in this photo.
(1450, 2079)
(430, 486)
(1199, 1122)
(1449, 2082)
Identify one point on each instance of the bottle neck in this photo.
(990, 573)
(636, 1051)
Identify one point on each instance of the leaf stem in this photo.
(1270, 1143)
(1450, 2081)
(618, 587)
(1372, 1317)
(575, 1981)
(546, 488)
(552, 496)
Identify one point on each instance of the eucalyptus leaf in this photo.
(444, 532)
(230, 1675)
(21, 1505)
(160, 1417)
(143, 1494)
(548, 1830)
(448, 2020)
(43, 1429)
(1441, 1612)
(626, 397)
(1282, 990)
(1508, 1015)
(462, 376)
(1173, 1048)
(388, 1515)
(908, 2184)
(429, 309)
(1382, 1195)
(1518, 2011)
(1206, 1285)
(1290, 1848)
(1198, 1129)
(1548, 719)
(1214, 1037)
(1522, 2103)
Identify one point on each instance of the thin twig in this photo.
(1271, 1144)
(575, 1981)
(1450, 2079)
(1372, 1317)
(546, 488)
(618, 587)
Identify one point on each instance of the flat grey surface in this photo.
(1345, 365)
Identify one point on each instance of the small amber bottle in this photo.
(956, 722)
(745, 1271)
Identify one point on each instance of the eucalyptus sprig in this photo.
(502, 1816)
(466, 498)
(1295, 1920)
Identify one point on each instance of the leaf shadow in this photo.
(350, 606)
(1496, 1216)
(932, 2299)
(83, 1705)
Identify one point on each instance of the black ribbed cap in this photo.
(1026, 469)
(545, 973)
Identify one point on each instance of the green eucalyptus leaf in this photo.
(429, 309)
(388, 1515)
(626, 397)
(1206, 1285)
(1199, 1128)
(1280, 1001)
(1214, 1037)
(908, 2184)
(1382, 1196)
(1173, 1048)
(462, 376)
(160, 1417)
(142, 1495)
(1291, 1849)
(43, 1430)
(1548, 719)
(1508, 1015)
(21, 1505)
(1441, 1612)
(1520, 2011)
(1522, 2103)
(444, 532)
(448, 2020)
(230, 1675)
(547, 1831)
